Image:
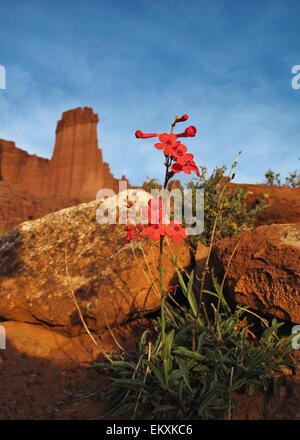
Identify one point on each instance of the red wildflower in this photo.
(176, 151)
(176, 231)
(188, 132)
(186, 164)
(166, 141)
(154, 231)
(132, 232)
(185, 158)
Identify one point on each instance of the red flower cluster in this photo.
(177, 159)
(173, 149)
(132, 232)
(155, 228)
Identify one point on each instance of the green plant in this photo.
(198, 357)
(175, 381)
(272, 178)
(236, 216)
(293, 180)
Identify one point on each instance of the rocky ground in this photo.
(44, 370)
(54, 381)
(61, 386)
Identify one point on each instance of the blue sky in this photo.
(225, 63)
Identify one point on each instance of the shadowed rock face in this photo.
(112, 282)
(17, 205)
(76, 169)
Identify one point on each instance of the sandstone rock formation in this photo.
(112, 282)
(77, 168)
(75, 172)
(283, 202)
(26, 171)
(265, 270)
(17, 205)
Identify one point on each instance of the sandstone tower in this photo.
(76, 170)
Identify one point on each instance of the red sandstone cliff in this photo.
(76, 169)
(24, 170)
(74, 174)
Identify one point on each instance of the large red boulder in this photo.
(112, 282)
(265, 270)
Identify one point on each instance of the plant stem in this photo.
(161, 266)
(162, 297)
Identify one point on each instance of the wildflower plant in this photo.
(196, 361)
(177, 160)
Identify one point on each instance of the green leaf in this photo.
(157, 373)
(201, 340)
(182, 351)
(201, 368)
(134, 384)
(181, 282)
(142, 341)
(217, 286)
(168, 345)
(223, 301)
(190, 294)
(167, 358)
(121, 364)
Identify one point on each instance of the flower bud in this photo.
(140, 135)
(188, 132)
(182, 119)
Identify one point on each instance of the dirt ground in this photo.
(33, 388)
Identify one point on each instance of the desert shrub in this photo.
(292, 181)
(235, 216)
(272, 178)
